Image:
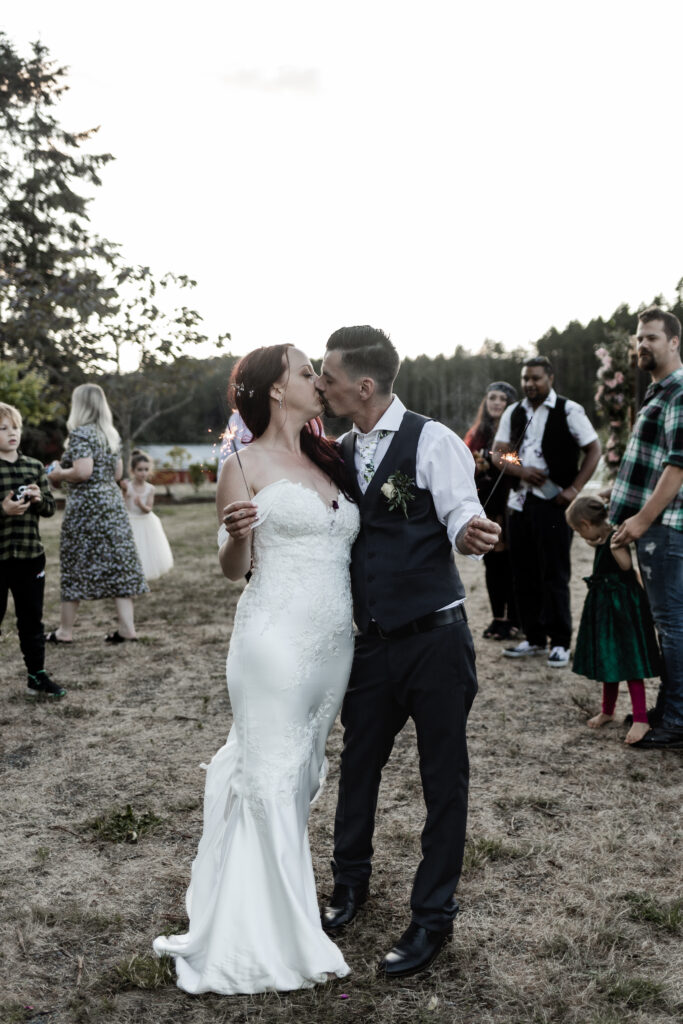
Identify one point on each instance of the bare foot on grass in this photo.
(599, 720)
(636, 732)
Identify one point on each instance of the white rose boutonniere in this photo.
(398, 490)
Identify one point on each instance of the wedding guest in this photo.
(25, 496)
(548, 433)
(98, 557)
(150, 540)
(646, 506)
(616, 638)
(498, 571)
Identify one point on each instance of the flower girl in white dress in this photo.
(151, 541)
(254, 923)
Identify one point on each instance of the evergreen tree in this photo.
(52, 286)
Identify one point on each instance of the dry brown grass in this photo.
(571, 898)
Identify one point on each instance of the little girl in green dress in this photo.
(616, 638)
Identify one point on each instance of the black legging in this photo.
(499, 586)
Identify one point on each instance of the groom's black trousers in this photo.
(429, 677)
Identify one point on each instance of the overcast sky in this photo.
(448, 171)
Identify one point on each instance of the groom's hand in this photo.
(478, 536)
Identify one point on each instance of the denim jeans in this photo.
(660, 554)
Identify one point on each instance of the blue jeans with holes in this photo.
(660, 554)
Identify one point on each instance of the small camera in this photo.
(21, 495)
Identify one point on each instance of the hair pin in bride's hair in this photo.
(240, 389)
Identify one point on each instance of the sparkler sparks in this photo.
(508, 459)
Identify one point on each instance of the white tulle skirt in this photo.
(152, 544)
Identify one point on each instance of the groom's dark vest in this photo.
(401, 569)
(560, 450)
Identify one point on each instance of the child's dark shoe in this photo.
(41, 683)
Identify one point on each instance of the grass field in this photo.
(571, 901)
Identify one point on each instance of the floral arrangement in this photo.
(614, 395)
(398, 490)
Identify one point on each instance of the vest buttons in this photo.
(371, 577)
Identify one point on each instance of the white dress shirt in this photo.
(444, 467)
(530, 451)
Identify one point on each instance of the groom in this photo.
(414, 483)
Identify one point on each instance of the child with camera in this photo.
(25, 496)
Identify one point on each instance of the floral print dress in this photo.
(98, 556)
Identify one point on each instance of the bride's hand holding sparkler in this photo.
(239, 518)
(478, 536)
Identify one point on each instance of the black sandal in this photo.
(52, 638)
(116, 638)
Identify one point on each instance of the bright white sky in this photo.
(448, 171)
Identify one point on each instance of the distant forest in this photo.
(449, 388)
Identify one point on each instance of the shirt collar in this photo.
(550, 402)
(655, 385)
(389, 420)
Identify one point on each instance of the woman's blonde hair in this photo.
(89, 406)
(586, 508)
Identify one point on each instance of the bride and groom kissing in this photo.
(362, 531)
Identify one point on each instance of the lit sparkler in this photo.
(506, 460)
(228, 441)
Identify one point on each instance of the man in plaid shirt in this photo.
(647, 507)
(24, 496)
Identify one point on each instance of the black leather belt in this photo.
(423, 625)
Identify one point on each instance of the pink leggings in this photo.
(636, 688)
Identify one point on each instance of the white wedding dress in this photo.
(254, 919)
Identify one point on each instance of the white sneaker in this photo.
(558, 657)
(524, 650)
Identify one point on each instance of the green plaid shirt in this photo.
(656, 442)
(19, 536)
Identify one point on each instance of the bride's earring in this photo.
(280, 402)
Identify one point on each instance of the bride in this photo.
(284, 513)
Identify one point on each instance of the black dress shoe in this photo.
(343, 906)
(660, 738)
(414, 951)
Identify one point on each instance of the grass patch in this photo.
(635, 993)
(124, 826)
(75, 711)
(15, 1013)
(667, 916)
(86, 922)
(146, 972)
(482, 850)
(548, 805)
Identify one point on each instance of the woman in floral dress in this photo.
(98, 557)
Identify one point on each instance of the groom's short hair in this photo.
(367, 352)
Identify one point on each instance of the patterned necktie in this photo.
(367, 447)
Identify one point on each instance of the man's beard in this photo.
(646, 360)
